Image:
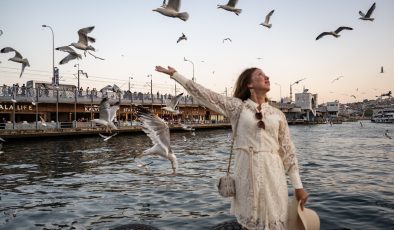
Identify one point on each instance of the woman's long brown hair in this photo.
(241, 87)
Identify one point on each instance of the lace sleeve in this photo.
(287, 153)
(228, 106)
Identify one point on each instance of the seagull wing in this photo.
(232, 3)
(322, 35)
(69, 57)
(361, 13)
(9, 49)
(24, 64)
(67, 49)
(175, 100)
(370, 11)
(112, 111)
(82, 33)
(156, 129)
(174, 4)
(342, 28)
(104, 109)
(267, 18)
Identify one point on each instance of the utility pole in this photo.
(151, 90)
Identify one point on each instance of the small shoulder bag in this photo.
(226, 185)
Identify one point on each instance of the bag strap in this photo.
(232, 143)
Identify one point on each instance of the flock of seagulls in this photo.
(82, 44)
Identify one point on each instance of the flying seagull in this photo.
(183, 37)
(367, 16)
(71, 54)
(158, 131)
(227, 39)
(336, 79)
(381, 69)
(173, 104)
(353, 96)
(266, 23)
(106, 138)
(84, 39)
(334, 33)
(17, 58)
(171, 9)
(231, 7)
(107, 114)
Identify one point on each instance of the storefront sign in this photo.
(10, 107)
(93, 108)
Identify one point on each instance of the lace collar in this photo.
(253, 105)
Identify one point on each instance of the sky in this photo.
(133, 40)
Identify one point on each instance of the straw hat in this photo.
(302, 220)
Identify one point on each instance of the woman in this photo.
(263, 149)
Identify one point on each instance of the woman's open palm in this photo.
(170, 71)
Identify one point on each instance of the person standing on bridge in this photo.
(263, 149)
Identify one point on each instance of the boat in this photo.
(383, 116)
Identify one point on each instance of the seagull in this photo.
(106, 138)
(183, 37)
(2, 140)
(13, 100)
(17, 58)
(386, 134)
(1, 32)
(231, 7)
(114, 88)
(84, 39)
(361, 124)
(266, 23)
(107, 114)
(71, 54)
(193, 133)
(171, 9)
(43, 122)
(353, 96)
(184, 138)
(170, 107)
(187, 128)
(227, 39)
(33, 102)
(367, 17)
(336, 79)
(381, 69)
(334, 33)
(158, 131)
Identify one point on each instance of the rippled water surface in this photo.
(86, 183)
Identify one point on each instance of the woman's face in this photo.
(259, 81)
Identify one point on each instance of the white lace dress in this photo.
(262, 158)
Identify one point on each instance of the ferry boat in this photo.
(384, 116)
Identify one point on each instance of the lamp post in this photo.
(151, 90)
(193, 79)
(291, 89)
(130, 78)
(80, 71)
(280, 91)
(53, 50)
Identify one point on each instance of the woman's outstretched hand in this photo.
(170, 71)
(302, 196)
